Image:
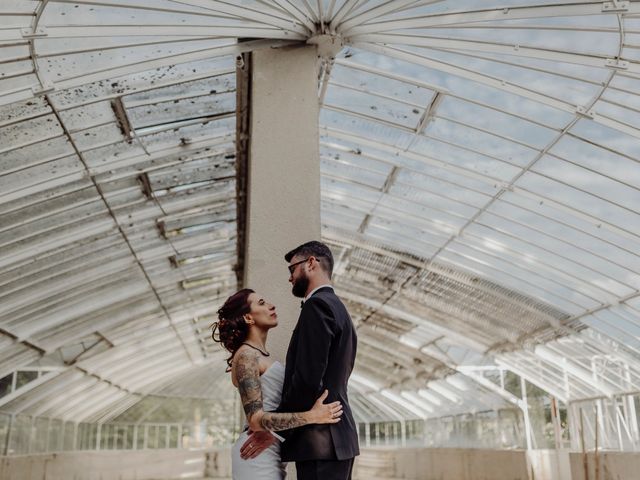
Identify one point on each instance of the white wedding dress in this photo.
(267, 465)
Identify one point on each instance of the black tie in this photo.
(301, 303)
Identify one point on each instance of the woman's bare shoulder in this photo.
(245, 361)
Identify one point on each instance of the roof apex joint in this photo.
(328, 44)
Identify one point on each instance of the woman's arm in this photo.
(247, 372)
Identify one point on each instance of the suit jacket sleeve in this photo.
(316, 331)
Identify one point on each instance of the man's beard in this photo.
(300, 286)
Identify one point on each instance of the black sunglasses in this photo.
(293, 266)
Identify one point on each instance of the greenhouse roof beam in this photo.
(520, 12)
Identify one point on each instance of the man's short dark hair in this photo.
(315, 249)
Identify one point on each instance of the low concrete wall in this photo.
(442, 464)
(476, 464)
(550, 464)
(117, 465)
(612, 466)
(372, 464)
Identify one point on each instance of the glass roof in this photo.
(480, 189)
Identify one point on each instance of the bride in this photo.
(243, 323)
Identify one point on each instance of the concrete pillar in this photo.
(283, 203)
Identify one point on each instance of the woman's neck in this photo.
(257, 338)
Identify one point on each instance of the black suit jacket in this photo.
(321, 355)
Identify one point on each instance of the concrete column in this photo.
(283, 177)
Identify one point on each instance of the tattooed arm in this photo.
(247, 374)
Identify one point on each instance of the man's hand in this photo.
(257, 443)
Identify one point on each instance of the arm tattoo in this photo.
(248, 377)
(282, 421)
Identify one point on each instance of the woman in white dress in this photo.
(243, 324)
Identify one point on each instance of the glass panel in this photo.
(5, 422)
(502, 236)
(69, 436)
(598, 185)
(174, 440)
(465, 156)
(162, 436)
(140, 437)
(446, 189)
(443, 221)
(152, 436)
(5, 385)
(572, 91)
(25, 377)
(128, 437)
(120, 434)
(584, 243)
(524, 286)
(20, 435)
(484, 143)
(608, 138)
(556, 213)
(168, 111)
(55, 435)
(345, 74)
(581, 202)
(365, 127)
(376, 107)
(483, 118)
(40, 435)
(619, 113)
(104, 436)
(355, 174)
(82, 440)
(432, 200)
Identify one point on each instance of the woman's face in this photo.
(262, 313)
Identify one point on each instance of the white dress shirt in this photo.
(315, 290)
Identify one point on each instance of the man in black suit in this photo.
(321, 355)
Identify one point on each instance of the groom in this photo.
(321, 354)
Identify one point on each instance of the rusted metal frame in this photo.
(243, 126)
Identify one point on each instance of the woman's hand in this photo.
(256, 443)
(325, 412)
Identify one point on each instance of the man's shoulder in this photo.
(328, 300)
(324, 295)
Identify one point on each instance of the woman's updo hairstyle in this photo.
(231, 327)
